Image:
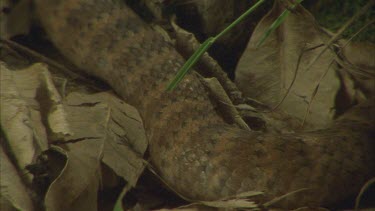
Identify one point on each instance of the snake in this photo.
(191, 147)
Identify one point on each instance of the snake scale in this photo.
(192, 148)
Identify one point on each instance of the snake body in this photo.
(192, 148)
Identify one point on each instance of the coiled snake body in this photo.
(191, 147)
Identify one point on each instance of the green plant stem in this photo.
(190, 63)
(204, 47)
(277, 22)
(239, 19)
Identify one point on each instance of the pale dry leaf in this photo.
(21, 117)
(359, 53)
(28, 97)
(103, 128)
(301, 209)
(125, 141)
(311, 209)
(182, 209)
(248, 194)
(358, 61)
(77, 186)
(233, 203)
(13, 192)
(238, 201)
(53, 104)
(190, 208)
(87, 127)
(267, 72)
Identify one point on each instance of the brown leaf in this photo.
(267, 72)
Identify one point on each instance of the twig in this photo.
(341, 30)
(331, 63)
(314, 94)
(293, 80)
(359, 70)
(362, 191)
(294, 76)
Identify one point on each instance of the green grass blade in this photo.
(365, 188)
(118, 204)
(205, 45)
(277, 23)
(239, 19)
(190, 63)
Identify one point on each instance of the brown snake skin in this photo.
(191, 147)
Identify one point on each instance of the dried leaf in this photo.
(239, 201)
(234, 203)
(102, 128)
(21, 119)
(267, 72)
(13, 193)
(125, 139)
(86, 130)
